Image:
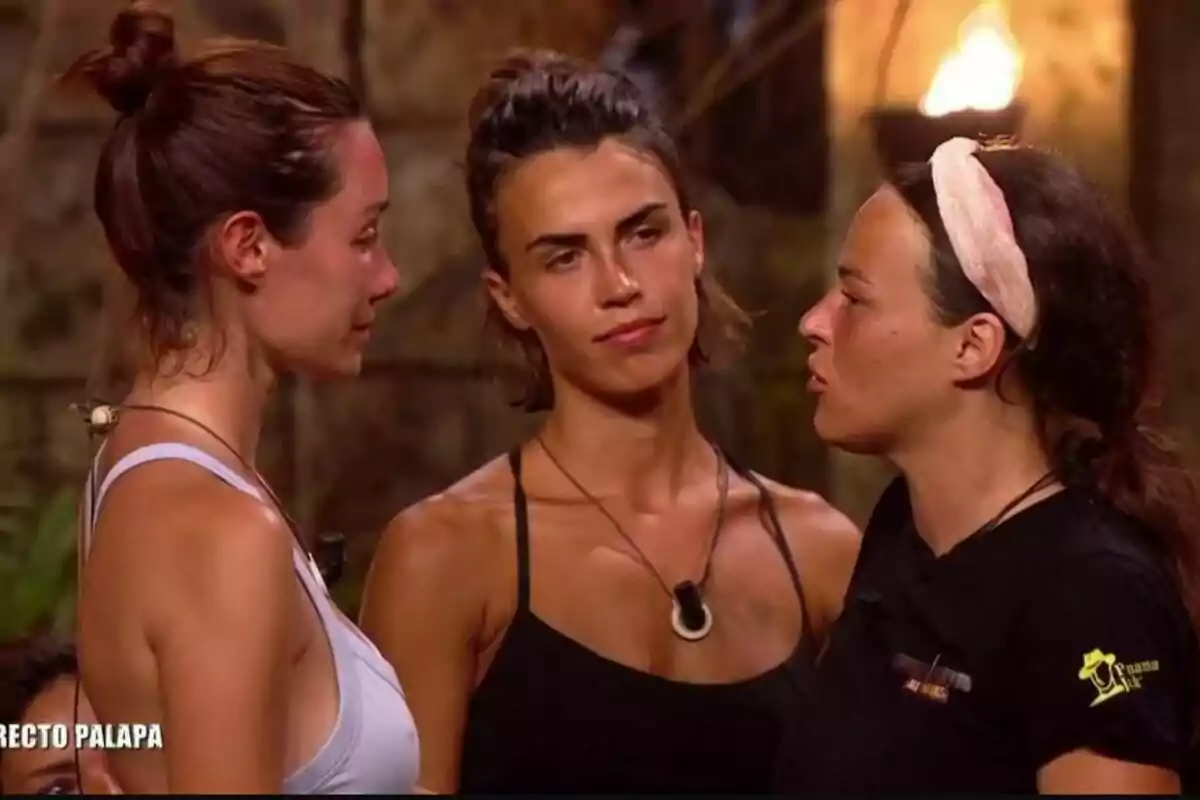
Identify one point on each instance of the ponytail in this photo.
(1142, 471)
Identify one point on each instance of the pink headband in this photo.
(980, 229)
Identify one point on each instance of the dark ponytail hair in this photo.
(1091, 365)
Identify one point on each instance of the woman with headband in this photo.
(240, 192)
(1021, 617)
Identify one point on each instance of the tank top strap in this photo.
(769, 511)
(173, 451)
(521, 516)
(373, 730)
(161, 451)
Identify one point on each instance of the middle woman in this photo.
(613, 606)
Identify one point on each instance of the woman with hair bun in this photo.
(240, 192)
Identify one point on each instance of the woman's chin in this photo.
(837, 433)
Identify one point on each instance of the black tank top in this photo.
(553, 716)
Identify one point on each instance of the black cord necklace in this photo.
(691, 617)
(1041, 483)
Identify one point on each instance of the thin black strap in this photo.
(768, 510)
(521, 512)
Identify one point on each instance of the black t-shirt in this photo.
(1056, 631)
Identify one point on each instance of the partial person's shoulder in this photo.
(1118, 576)
(1085, 528)
(1098, 562)
(192, 517)
(825, 544)
(444, 550)
(186, 542)
(1107, 655)
(461, 522)
(228, 537)
(804, 514)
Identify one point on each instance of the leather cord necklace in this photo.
(1043, 482)
(691, 617)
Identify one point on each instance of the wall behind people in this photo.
(428, 407)
(1166, 117)
(1109, 82)
(1075, 83)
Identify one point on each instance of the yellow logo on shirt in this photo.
(1110, 677)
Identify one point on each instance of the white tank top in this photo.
(373, 747)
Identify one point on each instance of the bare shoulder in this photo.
(444, 548)
(190, 543)
(457, 526)
(808, 517)
(215, 595)
(824, 542)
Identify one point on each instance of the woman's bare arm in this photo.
(1085, 772)
(423, 607)
(221, 642)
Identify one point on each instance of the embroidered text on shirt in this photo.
(1110, 677)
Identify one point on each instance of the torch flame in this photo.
(983, 72)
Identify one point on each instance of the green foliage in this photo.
(37, 566)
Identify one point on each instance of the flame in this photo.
(983, 72)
